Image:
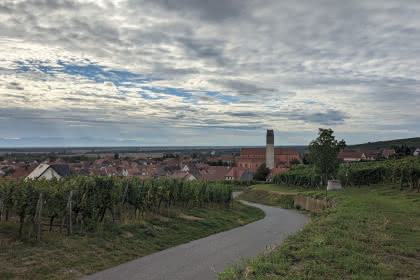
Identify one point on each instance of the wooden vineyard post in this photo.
(1, 209)
(122, 202)
(69, 208)
(38, 217)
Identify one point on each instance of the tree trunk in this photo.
(102, 215)
(51, 222)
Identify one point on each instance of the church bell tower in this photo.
(269, 149)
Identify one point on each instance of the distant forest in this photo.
(409, 142)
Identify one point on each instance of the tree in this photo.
(262, 172)
(295, 162)
(306, 159)
(323, 153)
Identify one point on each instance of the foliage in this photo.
(402, 150)
(83, 253)
(405, 172)
(272, 198)
(323, 152)
(302, 176)
(94, 197)
(262, 172)
(295, 162)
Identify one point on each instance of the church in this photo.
(252, 158)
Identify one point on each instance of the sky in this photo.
(196, 72)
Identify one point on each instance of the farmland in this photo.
(112, 221)
(405, 172)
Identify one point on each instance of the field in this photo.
(73, 227)
(372, 233)
(58, 256)
(405, 172)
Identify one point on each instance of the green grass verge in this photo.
(372, 233)
(62, 257)
(284, 200)
(279, 196)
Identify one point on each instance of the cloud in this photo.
(123, 69)
(331, 117)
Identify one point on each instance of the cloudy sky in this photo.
(215, 72)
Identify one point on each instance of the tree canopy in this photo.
(323, 153)
(262, 172)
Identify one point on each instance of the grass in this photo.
(62, 257)
(279, 196)
(372, 233)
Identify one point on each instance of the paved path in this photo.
(198, 259)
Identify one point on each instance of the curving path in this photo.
(200, 259)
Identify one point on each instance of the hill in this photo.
(410, 142)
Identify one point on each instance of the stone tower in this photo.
(269, 149)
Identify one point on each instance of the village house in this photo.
(386, 153)
(183, 176)
(47, 171)
(213, 173)
(351, 156)
(240, 174)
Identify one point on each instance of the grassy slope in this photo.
(275, 195)
(410, 142)
(269, 194)
(373, 233)
(62, 257)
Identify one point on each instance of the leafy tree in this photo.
(306, 159)
(262, 172)
(323, 153)
(9, 172)
(295, 162)
(402, 150)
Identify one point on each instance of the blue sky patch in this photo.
(180, 92)
(226, 99)
(91, 71)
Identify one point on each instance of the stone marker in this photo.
(334, 185)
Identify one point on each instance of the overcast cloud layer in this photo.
(190, 72)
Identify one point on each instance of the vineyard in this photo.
(84, 202)
(405, 172)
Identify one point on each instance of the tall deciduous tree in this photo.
(323, 153)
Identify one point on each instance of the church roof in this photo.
(285, 151)
(253, 151)
(261, 151)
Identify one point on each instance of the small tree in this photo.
(323, 153)
(262, 172)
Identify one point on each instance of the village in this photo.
(208, 166)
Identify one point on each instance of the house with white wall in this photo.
(47, 171)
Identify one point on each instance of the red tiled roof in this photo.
(213, 173)
(253, 151)
(236, 172)
(285, 151)
(350, 154)
(279, 170)
(227, 157)
(21, 172)
(261, 151)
